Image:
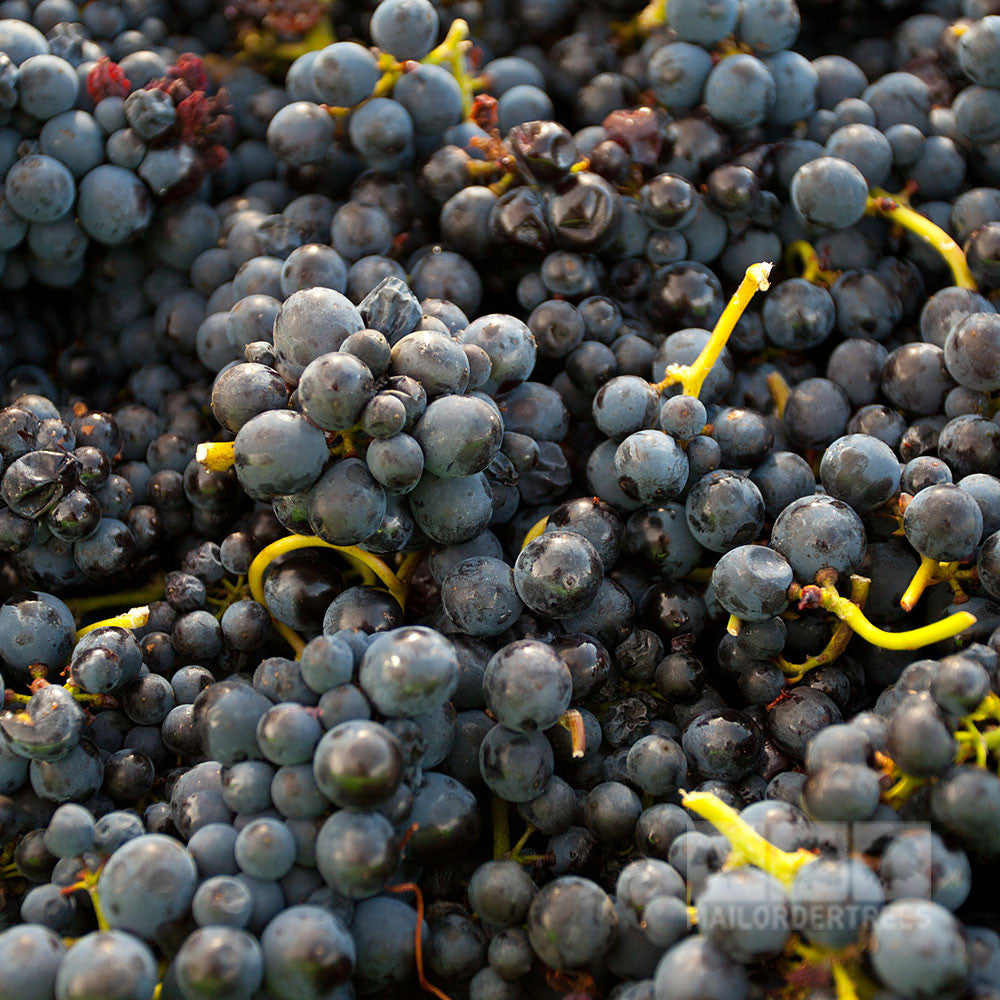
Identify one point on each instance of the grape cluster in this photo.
(499, 500)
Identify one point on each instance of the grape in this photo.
(111, 964)
(223, 962)
(382, 132)
(741, 91)
(583, 911)
(942, 965)
(343, 74)
(147, 883)
(829, 192)
(31, 957)
(356, 853)
(306, 949)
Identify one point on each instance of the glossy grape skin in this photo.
(943, 522)
(526, 686)
(751, 582)
(346, 504)
(515, 766)
(816, 533)
(861, 471)
(558, 574)
(35, 628)
(47, 728)
(722, 745)
(651, 466)
(724, 509)
(409, 671)
(266, 442)
(480, 597)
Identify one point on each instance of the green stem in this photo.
(501, 828)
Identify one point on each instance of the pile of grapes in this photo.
(499, 499)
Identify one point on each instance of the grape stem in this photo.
(418, 950)
(133, 618)
(838, 640)
(140, 595)
(358, 557)
(572, 721)
(501, 828)
(88, 882)
(692, 377)
(454, 50)
(928, 573)
(216, 455)
(892, 207)
(800, 254)
(537, 529)
(826, 597)
(651, 17)
(747, 846)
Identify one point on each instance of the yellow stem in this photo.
(216, 455)
(838, 640)
(453, 50)
(904, 787)
(133, 618)
(290, 543)
(498, 187)
(748, 847)
(140, 595)
(733, 625)
(914, 639)
(692, 377)
(846, 989)
(888, 206)
(780, 390)
(90, 882)
(801, 255)
(572, 721)
(928, 573)
(409, 564)
(703, 574)
(320, 35)
(537, 529)
(974, 738)
(515, 851)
